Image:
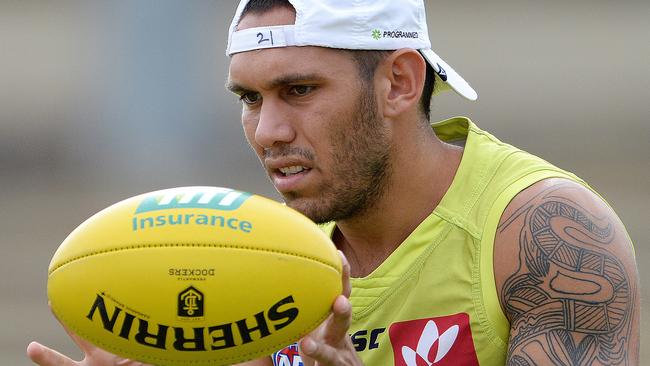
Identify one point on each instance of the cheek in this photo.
(249, 124)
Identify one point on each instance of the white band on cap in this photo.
(354, 25)
(262, 37)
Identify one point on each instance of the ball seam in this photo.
(225, 246)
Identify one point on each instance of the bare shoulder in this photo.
(566, 278)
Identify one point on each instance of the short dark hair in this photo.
(367, 61)
(261, 6)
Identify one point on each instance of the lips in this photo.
(288, 174)
(291, 170)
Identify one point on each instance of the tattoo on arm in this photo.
(570, 300)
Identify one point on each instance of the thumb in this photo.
(44, 356)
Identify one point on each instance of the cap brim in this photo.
(449, 77)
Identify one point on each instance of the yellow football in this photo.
(194, 276)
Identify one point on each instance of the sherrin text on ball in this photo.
(194, 276)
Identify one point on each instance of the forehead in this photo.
(262, 66)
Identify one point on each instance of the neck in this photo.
(423, 171)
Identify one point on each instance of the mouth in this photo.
(293, 170)
(290, 177)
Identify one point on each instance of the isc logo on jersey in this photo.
(438, 341)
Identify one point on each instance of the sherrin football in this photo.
(194, 276)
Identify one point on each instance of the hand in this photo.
(330, 344)
(93, 356)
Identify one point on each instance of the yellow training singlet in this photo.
(434, 300)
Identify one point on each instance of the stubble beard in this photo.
(361, 171)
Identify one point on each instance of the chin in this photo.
(313, 210)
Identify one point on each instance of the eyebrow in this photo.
(277, 82)
(235, 88)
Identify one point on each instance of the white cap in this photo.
(354, 25)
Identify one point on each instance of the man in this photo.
(462, 249)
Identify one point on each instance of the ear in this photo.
(404, 72)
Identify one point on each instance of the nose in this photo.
(274, 125)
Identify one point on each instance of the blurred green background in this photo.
(102, 100)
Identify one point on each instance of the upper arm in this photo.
(566, 278)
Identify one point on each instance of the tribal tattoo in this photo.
(570, 302)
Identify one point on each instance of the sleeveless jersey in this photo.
(433, 301)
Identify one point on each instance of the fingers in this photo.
(330, 344)
(44, 356)
(347, 286)
(320, 354)
(309, 351)
(339, 323)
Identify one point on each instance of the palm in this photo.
(94, 356)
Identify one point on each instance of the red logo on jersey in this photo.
(287, 356)
(446, 340)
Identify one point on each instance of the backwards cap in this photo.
(354, 25)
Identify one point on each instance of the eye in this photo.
(301, 90)
(250, 98)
